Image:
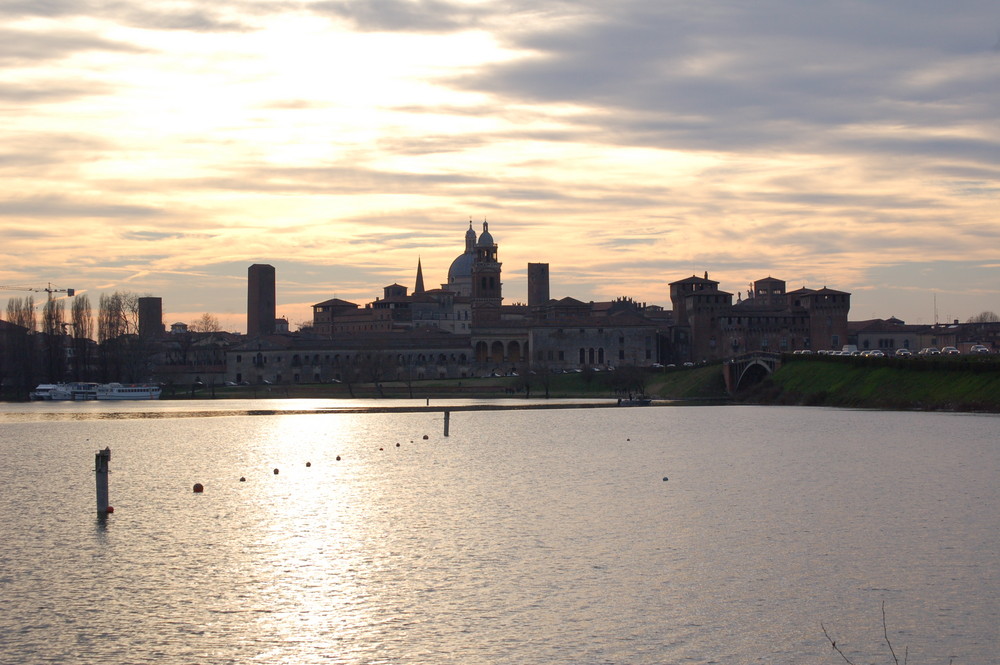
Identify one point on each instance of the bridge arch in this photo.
(752, 374)
(748, 369)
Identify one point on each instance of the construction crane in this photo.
(49, 290)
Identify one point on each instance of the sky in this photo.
(161, 148)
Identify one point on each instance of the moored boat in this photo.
(119, 391)
(43, 391)
(77, 391)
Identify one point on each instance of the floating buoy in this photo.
(243, 479)
(338, 458)
(308, 464)
(397, 445)
(198, 488)
(275, 472)
(380, 448)
(426, 437)
(109, 509)
(664, 479)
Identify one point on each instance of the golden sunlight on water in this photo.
(524, 537)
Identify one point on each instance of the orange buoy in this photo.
(110, 509)
(243, 479)
(198, 488)
(275, 472)
(338, 458)
(308, 464)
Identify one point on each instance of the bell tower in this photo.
(486, 285)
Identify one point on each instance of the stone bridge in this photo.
(749, 368)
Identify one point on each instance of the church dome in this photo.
(485, 239)
(461, 267)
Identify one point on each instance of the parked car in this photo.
(979, 348)
(903, 353)
(929, 351)
(950, 351)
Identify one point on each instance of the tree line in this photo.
(62, 346)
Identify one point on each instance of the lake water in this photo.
(527, 537)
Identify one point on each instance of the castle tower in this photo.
(538, 284)
(770, 292)
(486, 286)
(150, 317)
(260, 300)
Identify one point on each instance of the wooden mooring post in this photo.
(101, 462)
(447, 421)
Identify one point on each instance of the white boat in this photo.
(43, 391)
(119, 391)
(76, 391)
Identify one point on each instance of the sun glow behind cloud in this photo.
(164, 149)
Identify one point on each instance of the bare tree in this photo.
(83, 320)
(18, 347)
(374, 366)
(53, 316)
(124, 356)
(21, 312)
(207, 323)
(83, 332)
(985, 317)
(118, 314)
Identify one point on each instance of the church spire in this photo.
(419, 286)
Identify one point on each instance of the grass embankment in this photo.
(945, 384)
(700, 383)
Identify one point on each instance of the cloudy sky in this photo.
(163, 147)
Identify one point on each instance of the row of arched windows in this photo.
(498, 352)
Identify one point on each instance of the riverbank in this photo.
(937, 384)
(687, 384)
